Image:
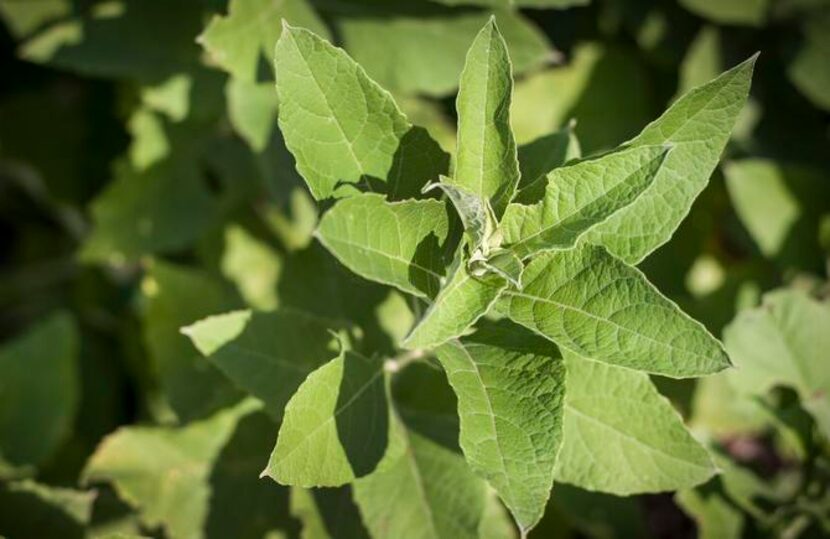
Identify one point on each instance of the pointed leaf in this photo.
(510, 386)
(698, 125)
(336, 427)
(343, 128)
(401, 244)
(486, 159)
(579, 197)
(266, 354)
(588, 301)
(460, 303)
(622, 437)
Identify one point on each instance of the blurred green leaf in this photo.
(252, 266)
(739, 12)
(31, 509)
(424, 52)
(176, 296)
(781, 343)
(39, 392)
(266, 354)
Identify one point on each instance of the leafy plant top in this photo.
(523, 289)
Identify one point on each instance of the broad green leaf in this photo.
(476, 215)
(420, 50)
(716, 517)
(327, 513)
(401, 244)
(510, 386)
(110, 39)
(486, 162)
(784, 342)
(591, 303)
(428, 492)
(719, 410)
(730, 12)
(266, 354)
(39, 392)
(196, 481)
(762, 200)
(780, 205)
(622, 437)
(541, 156)
(461, 302)
(703, 61)
(252, 111)
(160, 209)
(253, 266)
(603, 87)
(698, 125)
(343, 128)
(31, 509)
(808, 70)
(242, 41)
(579, 197)
(296, 225)
(176, 296)
(336, 427)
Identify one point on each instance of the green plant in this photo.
(547, 254)
(418, 273)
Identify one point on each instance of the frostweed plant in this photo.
(520, 270)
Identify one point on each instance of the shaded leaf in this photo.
(401, 244)
(266, 354)
(39, 392)
(342, 128)
(336, 427)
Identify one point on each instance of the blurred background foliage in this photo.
(144, 185)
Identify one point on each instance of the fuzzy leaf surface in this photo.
(698, 125)
(342, 128)
(510, 386)
(578, 197)
(586, 300)
(486, 160)
(622, 437)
